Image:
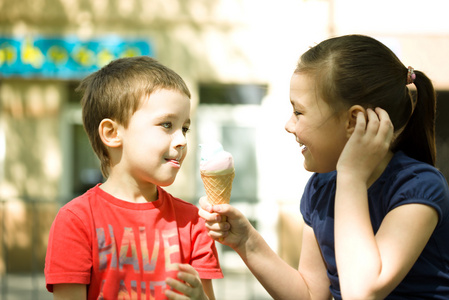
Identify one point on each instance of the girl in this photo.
(376, 210)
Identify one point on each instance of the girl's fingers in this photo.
(360, 125)
(386, 127)
(218, 230)
(212, 213)
(217, 226)
(218, 235)
(373, 122)
(207, 216)
(205, 204)
(377, 123)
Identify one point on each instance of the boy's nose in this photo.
(180, 140)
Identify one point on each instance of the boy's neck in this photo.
(131, 191)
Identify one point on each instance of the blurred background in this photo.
(236, 56)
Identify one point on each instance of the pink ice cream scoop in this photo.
(220, 161)
(217, 172)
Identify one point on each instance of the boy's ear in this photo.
(352, 118)
(109, 133)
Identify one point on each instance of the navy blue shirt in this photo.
(404, 181)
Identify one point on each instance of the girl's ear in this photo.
(352, 118)
(109, 133)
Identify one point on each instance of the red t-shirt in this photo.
(124, 250)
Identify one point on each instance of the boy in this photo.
(128, 238)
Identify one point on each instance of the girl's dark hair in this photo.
(359, 70)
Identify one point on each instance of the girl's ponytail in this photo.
(418, 138)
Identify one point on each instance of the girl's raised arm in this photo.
(370, 266)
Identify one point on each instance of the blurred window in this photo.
(229, 113)
(82, 165)
(216, 93)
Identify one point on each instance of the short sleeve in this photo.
(69, 252)
(304, 205)
(204, 253)
(424, 186)
(316, 196)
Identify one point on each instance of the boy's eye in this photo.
(166, 125)
(297, 113)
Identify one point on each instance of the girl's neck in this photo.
(380, 168)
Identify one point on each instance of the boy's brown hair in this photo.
(116, 92)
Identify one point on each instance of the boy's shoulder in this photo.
(178, 203)
(84, 202)
(80, 203)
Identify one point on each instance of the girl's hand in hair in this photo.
(368, 145)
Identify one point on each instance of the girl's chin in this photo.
(309, 169)
(317, 169)
(311, 166)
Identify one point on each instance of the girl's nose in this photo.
(290, 125)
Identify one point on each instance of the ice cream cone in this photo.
(218, 186)
(217, 172)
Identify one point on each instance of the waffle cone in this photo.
(218, 186)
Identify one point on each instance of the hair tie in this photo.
(411, 76)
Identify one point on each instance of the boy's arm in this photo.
(208, 288)
(69, 291)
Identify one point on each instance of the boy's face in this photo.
(154, 143)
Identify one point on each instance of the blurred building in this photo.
(237, 57)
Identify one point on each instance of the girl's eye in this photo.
(297, 113)
(185, 130)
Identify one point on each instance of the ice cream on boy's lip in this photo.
(217, 172)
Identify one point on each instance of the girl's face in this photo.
(319, 131)
(154, 142)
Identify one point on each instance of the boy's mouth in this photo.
(174, 162)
